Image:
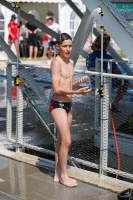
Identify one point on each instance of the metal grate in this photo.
(91, 147)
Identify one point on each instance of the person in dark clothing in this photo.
(90, 63)
(32, 39)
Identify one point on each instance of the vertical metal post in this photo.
(97, 106)
(19, 114)
(9, 102)
(18, 53)
(104, 127)
(101, 102)
(110, 88)
(19, 118)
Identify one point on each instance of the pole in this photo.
(19, 114)
(101, 93)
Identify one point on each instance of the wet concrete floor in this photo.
(22, 181)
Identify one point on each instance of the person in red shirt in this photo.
(13, 33)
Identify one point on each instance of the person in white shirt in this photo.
(55, 27)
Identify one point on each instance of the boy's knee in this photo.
(66, 143)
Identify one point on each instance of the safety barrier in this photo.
(96, 146)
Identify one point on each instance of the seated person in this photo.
(90, 62)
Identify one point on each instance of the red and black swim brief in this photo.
(56, 104)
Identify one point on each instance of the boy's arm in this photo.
(55, 73)
(81, 80)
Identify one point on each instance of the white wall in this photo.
(64, 17)
(7, 15)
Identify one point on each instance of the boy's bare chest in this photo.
(67, 72)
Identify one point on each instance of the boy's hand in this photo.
(84, 90)
(83, 79)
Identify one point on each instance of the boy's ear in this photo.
(57, 46)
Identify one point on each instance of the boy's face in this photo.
(65, 48)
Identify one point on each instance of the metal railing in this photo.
(25, 126)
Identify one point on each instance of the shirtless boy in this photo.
(62, 72)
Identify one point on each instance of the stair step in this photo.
(121, 1)
(128, 15)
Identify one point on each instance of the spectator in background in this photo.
(90, 63)
(51, 14)
(22, 33)
(45, 42)
(13, 34)
(55, 27)
(112, 43)
(32, 39)
(46, 37)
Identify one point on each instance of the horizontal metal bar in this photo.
(20, 64)
(90, 72)
(120, 173)
(83, 162)
(113, 60)
(104, 74)
(122, 1)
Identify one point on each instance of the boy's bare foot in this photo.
(57, 176)
(69, 182)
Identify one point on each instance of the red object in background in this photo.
(116, 141)
(14, 30)
(14, 92)
(45, 38)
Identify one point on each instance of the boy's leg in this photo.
(58, 143)
(63, 126)
(57, 164)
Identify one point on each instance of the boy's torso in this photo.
(66, 80)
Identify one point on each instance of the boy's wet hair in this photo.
(61, 37)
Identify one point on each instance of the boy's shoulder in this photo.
(56, 61)
(71, 61)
